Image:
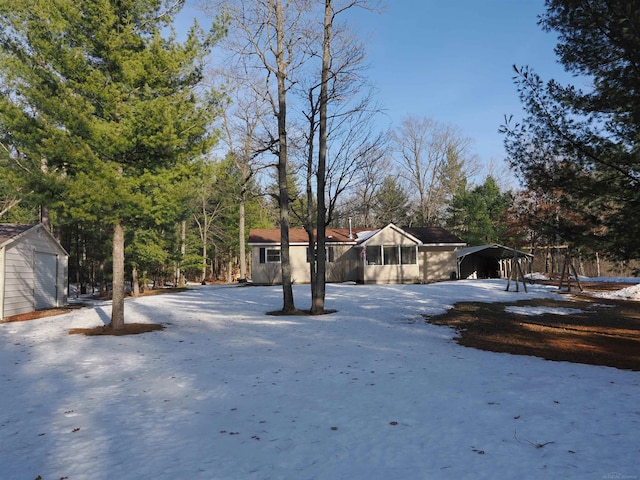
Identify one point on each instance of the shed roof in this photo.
(9, 231)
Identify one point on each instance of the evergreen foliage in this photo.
(391, 204)
(583, 144)
(99, 105)
(478, 215)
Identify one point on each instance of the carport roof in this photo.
(499, 252)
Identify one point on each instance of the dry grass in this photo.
(603, 332)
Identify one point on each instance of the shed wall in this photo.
(19, 278)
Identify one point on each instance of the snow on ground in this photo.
(629, 293)
(370, 392)
(534, 311)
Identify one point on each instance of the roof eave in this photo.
(20, 235)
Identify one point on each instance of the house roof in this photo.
(10, 231)
(424, 235)
(299, 235)
(434, 235)
(499, 252)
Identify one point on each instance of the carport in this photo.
(490, 261)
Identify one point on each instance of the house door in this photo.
(45, 284)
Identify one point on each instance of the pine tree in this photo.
(582, 143)
(100, 95)
(477, 215)
(391, 203)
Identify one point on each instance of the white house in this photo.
(384, 255)
(33, 270)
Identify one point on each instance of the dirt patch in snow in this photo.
(50, 312)
(127, 329)
(601, 331)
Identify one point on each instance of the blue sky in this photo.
(451, 60)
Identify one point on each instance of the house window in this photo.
(408, 255)
(269, 255)
(374, 255)
(391, 255)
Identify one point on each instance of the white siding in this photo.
(2, 250)
(18, 280)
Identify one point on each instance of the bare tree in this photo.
(282, 40)
(332, 115)
(368, 180)
(267, 37)
(207, 209)
(433, 158)
(243, 125)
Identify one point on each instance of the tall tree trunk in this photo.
(318, 293)
(204, 259)
(44, 211)
(241, 241)
(183, 251)
(135, 282)
(44, 217)
(288, 305)
(309, 221)
(117, 312)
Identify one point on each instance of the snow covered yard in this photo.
(369, 392)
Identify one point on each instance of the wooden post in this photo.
(517, 274)
(562, 274)
(573, 267)
(524, 283)
(509, 277)
(567, 269)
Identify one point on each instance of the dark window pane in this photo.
(391, 255)
(408, 255)
(273, 255)
(374, 255)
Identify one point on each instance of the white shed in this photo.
(33, 269)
